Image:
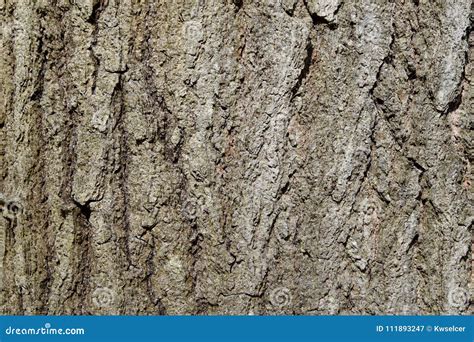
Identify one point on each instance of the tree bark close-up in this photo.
(236, 157)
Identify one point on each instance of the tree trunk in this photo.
(236, 157)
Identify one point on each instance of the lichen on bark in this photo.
(236, 157)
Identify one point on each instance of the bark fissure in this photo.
(245, 157)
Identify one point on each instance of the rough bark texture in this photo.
(236, 157)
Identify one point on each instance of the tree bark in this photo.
(236, 157)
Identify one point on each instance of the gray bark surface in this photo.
(236, 157)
